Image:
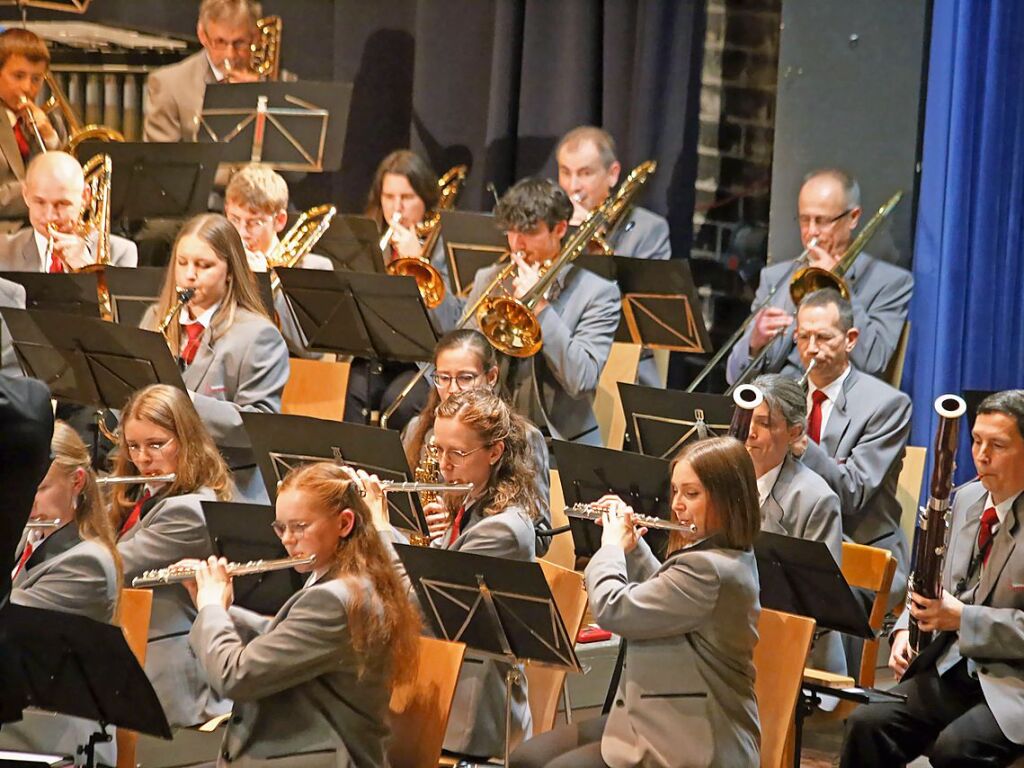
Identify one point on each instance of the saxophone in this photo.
(428, 470)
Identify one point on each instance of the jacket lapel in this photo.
(1002, 547)
(839, 419)
(9, 146)
(31, 259)
(196, 372)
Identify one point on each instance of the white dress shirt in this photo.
(831, 391)
(766, 482)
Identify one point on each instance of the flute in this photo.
(36, 525)
(135, 479)
(399, 486)
(594, 512)
(175, 574)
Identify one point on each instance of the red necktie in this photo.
(22, 139)
(194, 332)
(818, 396)
(457, 525)
(989, 518)
(133, 518)
(56, 265)
(23, 559)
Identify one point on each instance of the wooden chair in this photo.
(623, 361)
(893, 373)
(545, 684)
(316, 388)
(136, 605)
(908, 490)
(419, 710)
(561, 551)
(784, 640)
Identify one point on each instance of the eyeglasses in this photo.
(462, 380)
(456, 457)
(134, 449)
(238, 44)
(257, 222)
(804, 337)
(297, 530)
(822, 222)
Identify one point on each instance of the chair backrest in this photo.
(136, 605)
(908, 488)
(545, 684)
(561, 552)
(622, 364)
(315, 388)
(869, 568)
(419, 710)
(893, 373)
(784, 640)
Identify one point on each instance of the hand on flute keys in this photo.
(438, 519)
(618, 527)
(375, 500)
(212, 585)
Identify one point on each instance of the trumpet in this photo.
(807, 372)
(176, 574)
(594, 512)
(135, 479)
(38, 525)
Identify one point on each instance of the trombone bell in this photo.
(510, 326)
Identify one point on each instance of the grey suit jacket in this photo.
(173, 529)
(801, 504)
(294, 678)
(476, 724)
(860, 457)
(578, 329)
(174, 99)
(18, 252)
(12, 172)
(881, 296)
(11, 295)
(244, 370)
(644, 235)
(686, 696)
(82, 580)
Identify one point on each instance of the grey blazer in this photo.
(174, 99)
(82, 580)
(11, 295)
(12, 172)
(578, 329)
(643, 236)
(18, 252)
(476, 724)
(801, 504)
(881, 297)
(991, 632)
(244, 370)
(860, 457)
(172, 529)
(294, 678)
(686, 696)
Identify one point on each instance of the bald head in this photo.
(54, 191)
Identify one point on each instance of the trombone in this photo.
(77, 133)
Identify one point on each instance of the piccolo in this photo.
(594, 512)
(399, 486)
(135, 479)
(36, 525)
(175, 574)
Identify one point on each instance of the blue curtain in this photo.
(967, 313)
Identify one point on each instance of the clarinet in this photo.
(932, 522)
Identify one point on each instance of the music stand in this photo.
(242, 533)
(498, 607)
(282, 443)
(290, 126)
(81, 667)
(87, 361)
(132, 291)
(588, 472)
(154, 180)
(472, 241)
(380, 317)
(74, 294)
(351, 242)
(659, 422)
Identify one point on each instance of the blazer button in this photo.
(226, 755)
(620, 703)
(984, 670)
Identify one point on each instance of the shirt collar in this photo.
(831, 390)
(217, 73)
(1003, 509)
(204, 319)
(41, 245)
(766, 482)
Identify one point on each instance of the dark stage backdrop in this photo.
(492, 83)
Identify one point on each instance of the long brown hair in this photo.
(225, 242)
(726, 471)
(70, 454)
(361, 555)
(199, 462)
(510, 482)
(465, 339)
(403, 163)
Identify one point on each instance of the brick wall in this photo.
(737, 117)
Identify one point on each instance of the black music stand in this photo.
(81, 667)
(242, 533)
(588, 472)
(659, 422)
(132, 291)
(87, 361)
(74, 294)
(282, 443)
(351, 242)
(498, 607)
(290, 126)
(472, 241)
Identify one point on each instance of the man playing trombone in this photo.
(828, 213)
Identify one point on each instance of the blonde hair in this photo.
(70, 454)
(223, 239)
(394, 626)
(199, 462)
(222, 10)
(259, 187)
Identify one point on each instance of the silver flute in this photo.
(595, 511)
(176, 574)
(37, 525)
(400, 486)
(135, 479)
